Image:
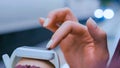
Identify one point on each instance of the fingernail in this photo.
(49, 44)
(46, 22)
(93, 22)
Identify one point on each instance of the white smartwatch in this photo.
(31, 52)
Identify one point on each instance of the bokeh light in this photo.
(108, 14)
(98, 13)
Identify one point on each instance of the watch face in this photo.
(33, 63)
(26, 66)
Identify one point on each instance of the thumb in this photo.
(97, 34)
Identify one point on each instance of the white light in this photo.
(108, 14)
(98, 13)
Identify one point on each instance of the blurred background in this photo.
(19, 25)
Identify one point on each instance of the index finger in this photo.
(57, 17)
(61, 15)
(65, 29)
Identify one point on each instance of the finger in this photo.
(53, 28)
(60, 34)
(66, 28)
(44, 22)
(57, 17)
(61, 15)
(98, 34)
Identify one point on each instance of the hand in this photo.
(83, 46)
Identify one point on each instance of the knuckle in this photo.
(67, 9)
(68, 23)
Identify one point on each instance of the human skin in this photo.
(33, 63)
(83, 46)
